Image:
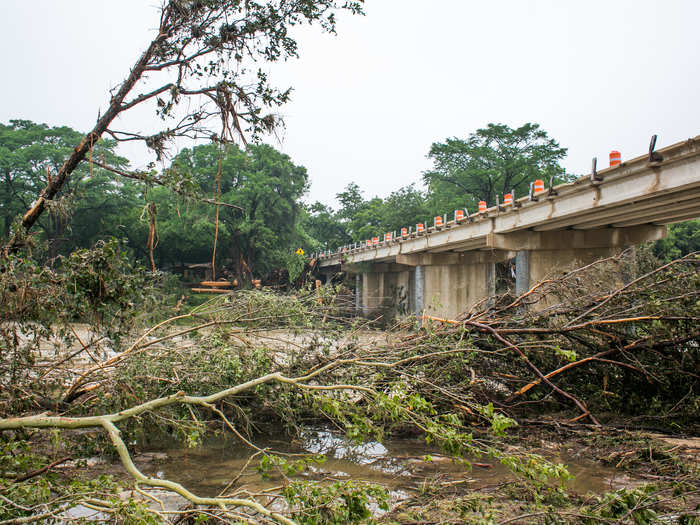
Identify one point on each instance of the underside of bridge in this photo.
(448, 283)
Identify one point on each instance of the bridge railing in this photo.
(440, 222)
(538, 190)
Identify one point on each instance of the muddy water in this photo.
(398, 465)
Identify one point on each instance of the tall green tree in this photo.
(90, 203)
(363, 219)
(405, 207)
(252, 240)
(491, 161)
(204, 58)
(321, 228)
(369, 220)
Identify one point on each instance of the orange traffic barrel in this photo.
(508, 199)
(387, 236)
(539, 185)
(369, 242)
(420, 227)
(404, 232)
(615, 158)
(375, 240)
(482, 206)
(438, 221)
(459, 215)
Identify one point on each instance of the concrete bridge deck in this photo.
(571, 223)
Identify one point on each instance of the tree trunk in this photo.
(56, 182)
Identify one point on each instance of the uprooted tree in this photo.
(199, 68)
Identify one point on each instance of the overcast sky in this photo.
(368, 103)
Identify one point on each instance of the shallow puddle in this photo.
(399, 465)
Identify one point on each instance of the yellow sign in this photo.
(300, 252)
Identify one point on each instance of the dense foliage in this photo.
(256, 238)
(91, 203)
(263, 183)
(491, 162)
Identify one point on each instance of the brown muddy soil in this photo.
(425, 486)
(602, 460)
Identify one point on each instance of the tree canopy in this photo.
(258, 228)
(491, 162)
(264, 183)
(204, 62)
(90, 202)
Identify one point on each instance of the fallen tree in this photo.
(198, 68)
(585, 346)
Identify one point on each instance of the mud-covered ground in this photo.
(426, 487)
(602, 460)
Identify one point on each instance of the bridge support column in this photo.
(358, 293)
(419, 293)
(490, 281)
(544, 264)
(546, 254)
(522, 272)
(384, 286)
(452, 282)
(370, 292)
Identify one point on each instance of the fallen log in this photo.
(217, 284)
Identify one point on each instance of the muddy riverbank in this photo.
(424, 485)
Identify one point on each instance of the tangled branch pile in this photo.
(591, 343)
(585, 346)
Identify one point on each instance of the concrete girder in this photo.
(662, 219)
(445, 259)
(470, 245)
(683, 208)
(674, 220)
(606, 217)
(476, 244)
(446, 239)
(628, 188)
(576, 239)
(373, 267)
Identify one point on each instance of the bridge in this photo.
(445, 268)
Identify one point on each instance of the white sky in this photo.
(368, 103)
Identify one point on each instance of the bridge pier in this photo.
(370, 291)
(541, 255)
(452, 282)
(448, 283)
(381, 286)
(522, 272)
(419, 293)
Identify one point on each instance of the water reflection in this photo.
(399, 465)
(339, 447)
